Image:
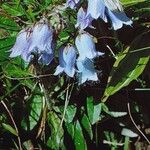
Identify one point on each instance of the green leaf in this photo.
(129, 65)
(55, 141)
(93, 111)
(36, 109)
(12, 9)
(79, 140)
(13, 70)
(5, 45)
(96, 114)
(90, 108)
(70, 128)
(9, 128)
(87, 126)
(131, 2)
(70, 113)
(8, 23)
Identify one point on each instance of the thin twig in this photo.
(112, 143)
(129, 111)
(15, 126)
(65, 107)
(111, 51)
(45, 97)
(33, 77)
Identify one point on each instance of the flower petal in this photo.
(86, 46)
(41, 37)
(96, 9)
(86, 71)
(67, 58)
(118, 19)
(72, 3)
(59, 70)
(83, 20)
(45, 58)
(22, 43)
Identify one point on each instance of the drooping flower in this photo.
(86, 46)
(35, 41)
(41, 42)
(118, 19)
(86, 71)
(22, 43)
(108, 9)
(67, 58)
(96, 9)
(83, 20)
(72, 3)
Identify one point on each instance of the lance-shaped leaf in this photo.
(129, 65)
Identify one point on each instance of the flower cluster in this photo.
(35, 41)
(85, 66)
(106, 10)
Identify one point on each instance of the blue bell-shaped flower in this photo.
(83, 20)
(96, 9)
(67, 58)
(22, 43)
(41, 42)
(86, 46)
(35, 41)
(108, 9)
(86, 71)
(118, 19)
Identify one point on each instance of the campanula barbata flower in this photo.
(22, 43)
(41, 41)
(108, 9)
(86, 46)
(36, 41)
(96, 9)
(86, 71)
(67, 58)
(118, 19)
(72, 3)
(83, 20)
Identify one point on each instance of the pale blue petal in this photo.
(70, 71)
(45, 58)
(42, 36)
(69, 55)
(83, 20)
(59, 70)
(118, 19)
(26, 56)
(67, 58)
(87, 71)
(96, 9)
(72, 3)
(22, 43)
(113, 5)
(86, 46)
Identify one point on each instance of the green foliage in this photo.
(129, 65)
